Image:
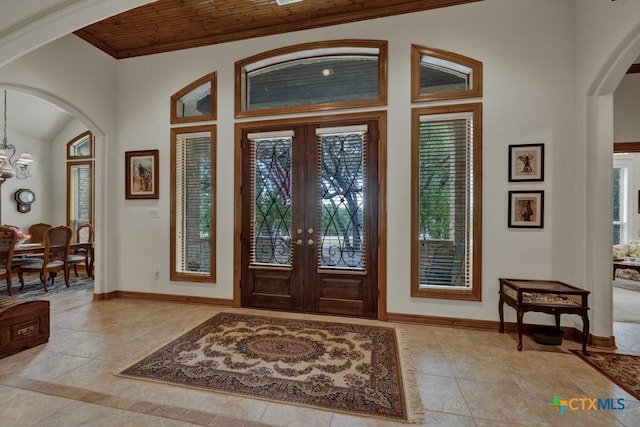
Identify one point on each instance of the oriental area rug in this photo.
(344, 367)
(622, 369)
(33, 288)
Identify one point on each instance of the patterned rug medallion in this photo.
(343, 367)
(622, 369)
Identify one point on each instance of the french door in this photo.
(309, 217)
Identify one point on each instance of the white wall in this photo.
(514, 113)
(39, 183)
(538, 86)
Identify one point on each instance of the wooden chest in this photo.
(24, 323)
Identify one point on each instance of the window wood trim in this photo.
(76, 139)
(626, 147)
(173, 274)
(475, 293)
(240, 78)
(182, 92)
(476, 77)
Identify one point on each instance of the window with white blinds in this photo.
(80, 181)
(193, 204)
(446, 202)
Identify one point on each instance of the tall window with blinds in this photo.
(620, 191)
(80, 181)
(446, 202)
(193, 204)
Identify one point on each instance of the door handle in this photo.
(310, 242)
(298, 242)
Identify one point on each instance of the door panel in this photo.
(269, 278)
(309, 206)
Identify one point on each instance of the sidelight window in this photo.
(446, 202)
(80, 181)
(620, 202)
(193, 204)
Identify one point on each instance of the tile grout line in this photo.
(102, 399)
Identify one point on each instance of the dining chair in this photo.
(56, 252)
(37, 232)
(8, 238)
(82, 255)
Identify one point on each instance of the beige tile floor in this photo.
(465, 378)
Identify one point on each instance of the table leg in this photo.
(501, 312)
(557, 320)
(585, 333)
(520, 315)
(91, 260)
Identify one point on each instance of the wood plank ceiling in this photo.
(169, 25)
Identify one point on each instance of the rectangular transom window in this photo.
(446, 202)
(193, 204)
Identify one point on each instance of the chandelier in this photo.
(11, 166)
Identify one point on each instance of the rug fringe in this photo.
(415, 408)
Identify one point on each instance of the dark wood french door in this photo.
(309, 217)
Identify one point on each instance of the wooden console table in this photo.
(624, 264)
(546, 296)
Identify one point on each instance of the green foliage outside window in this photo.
(435, 176)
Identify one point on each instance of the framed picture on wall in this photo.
(141, 174)
(526, 163)
(526, 209)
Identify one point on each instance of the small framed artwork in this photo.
(526, 209)
(526, 163)
(141, 174)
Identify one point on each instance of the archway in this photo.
(598, 131)
(100, 168)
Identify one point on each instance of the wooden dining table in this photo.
(22, 249)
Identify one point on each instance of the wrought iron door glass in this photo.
(342, 189)
(271, 196)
